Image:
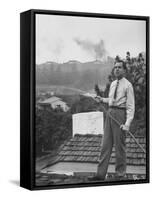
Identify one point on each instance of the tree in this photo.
(52, 128)
(84, 104)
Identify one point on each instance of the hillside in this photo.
(74, 74)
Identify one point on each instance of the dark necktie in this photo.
(115, 93)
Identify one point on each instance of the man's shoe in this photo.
(96, 178)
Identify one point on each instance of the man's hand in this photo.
(124, 128)
(98, 99)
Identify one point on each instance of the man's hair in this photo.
(123, 64)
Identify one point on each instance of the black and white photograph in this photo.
(90, 100)
(76, 100)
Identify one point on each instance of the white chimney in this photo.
(88, 123)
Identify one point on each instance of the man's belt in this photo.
(117, 107)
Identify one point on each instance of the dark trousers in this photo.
(113, 135)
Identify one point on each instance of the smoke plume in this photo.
(95, 49)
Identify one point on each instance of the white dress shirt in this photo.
(124, 98)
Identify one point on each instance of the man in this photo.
(121, 107)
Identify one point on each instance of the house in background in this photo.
(54, 102)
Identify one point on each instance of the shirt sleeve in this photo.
(105, 100)
(130, 105)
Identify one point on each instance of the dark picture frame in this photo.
(28, 77)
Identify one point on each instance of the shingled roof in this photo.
(87, 148)
(84, 150)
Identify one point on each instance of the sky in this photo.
(64, 38)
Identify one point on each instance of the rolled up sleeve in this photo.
(130, 105)
(105, 100)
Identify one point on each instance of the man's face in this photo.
(119, 70)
